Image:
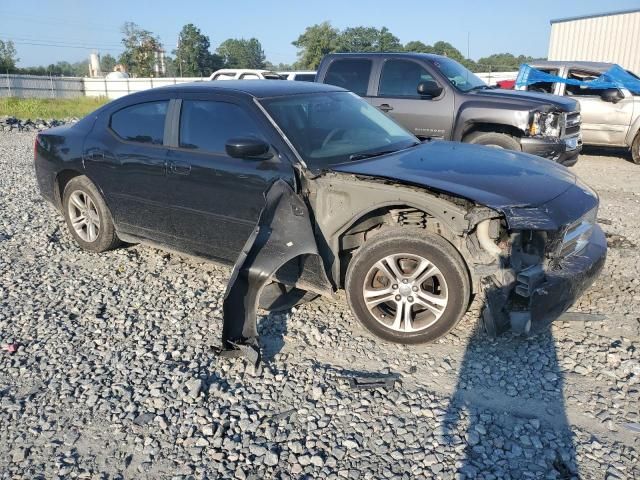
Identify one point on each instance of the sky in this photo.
(77, 27)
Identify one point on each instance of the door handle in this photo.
(385, 107)
(180, 168)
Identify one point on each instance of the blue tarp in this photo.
(615, 77)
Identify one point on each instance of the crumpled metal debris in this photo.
(283, 233)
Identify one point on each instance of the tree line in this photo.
(194, 57)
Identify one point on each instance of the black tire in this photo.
(416, 242)
(493, 139)
(635, 149)
(106, 238)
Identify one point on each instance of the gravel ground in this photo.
(116, 373)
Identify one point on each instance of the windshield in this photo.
(459, 76)
(331, 128)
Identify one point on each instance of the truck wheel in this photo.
(87, 216)
(493, 139)
(407, 286)
(635, 150)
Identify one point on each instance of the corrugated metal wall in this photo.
(608, 38)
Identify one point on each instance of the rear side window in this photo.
(352, 74)
(400, 78)
(207, 125)
(143, 123)
(305, 77)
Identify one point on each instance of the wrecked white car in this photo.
(307, 190)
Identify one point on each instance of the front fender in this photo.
(477, 112)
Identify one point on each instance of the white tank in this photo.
(94, 65)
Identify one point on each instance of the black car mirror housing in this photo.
(250, 148)
(429, 89)
(612, 95)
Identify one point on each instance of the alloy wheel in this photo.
(405, 292)
(84, 216)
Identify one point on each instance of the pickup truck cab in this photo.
(610, 117)
(435, 97)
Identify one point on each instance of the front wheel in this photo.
(493, 139)
(408, 286)
(635, 150)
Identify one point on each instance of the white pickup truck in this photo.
(610, 116)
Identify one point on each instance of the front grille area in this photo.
(577, 234)
(571, 124)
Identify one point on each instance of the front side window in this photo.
(207, 125)
(400, 78)
(350, 74)
(459, 76)
(142, 123)
(331, 128)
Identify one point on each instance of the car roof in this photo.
(597, 66)
(415, 55)
(253, 88)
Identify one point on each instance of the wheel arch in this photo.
(62, 178)
(393, 214)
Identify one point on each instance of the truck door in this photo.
(603, 122)
(397, 95)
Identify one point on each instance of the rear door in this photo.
(125, 156)
(396, 94)
(603, 123)
(215, 200)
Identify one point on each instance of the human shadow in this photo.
(507, 415)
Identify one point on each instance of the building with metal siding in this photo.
(609, 37)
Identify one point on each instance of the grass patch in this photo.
(45, 108)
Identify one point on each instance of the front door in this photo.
(397, 95)
(126, 157)
(215, 200)
(603, 123)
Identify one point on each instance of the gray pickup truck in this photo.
(437, 98)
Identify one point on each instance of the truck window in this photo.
(400, 78)
(352, 74)
(583, 76)
(544, 87)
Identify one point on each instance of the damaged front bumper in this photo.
(532, 301)
(565, 151)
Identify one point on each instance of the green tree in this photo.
(192, 57)
(368, 39)
(503, 61)
(107, 62)
(8, 57)
(140, 47)
(418, 46)
(241, 53)
(316, 41)
(280, 67)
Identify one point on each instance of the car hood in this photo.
(531, 99)
(499, 179)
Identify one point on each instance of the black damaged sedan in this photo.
(306, 189)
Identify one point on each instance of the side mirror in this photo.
(248, 148)
(429, 89)
(612, 95)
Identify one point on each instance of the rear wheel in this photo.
(87, 216)
(493, 139)
(407, 286)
